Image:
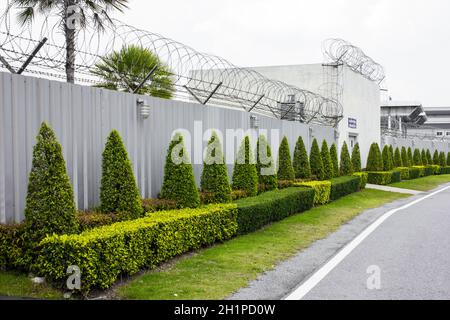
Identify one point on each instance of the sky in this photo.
(410, 38)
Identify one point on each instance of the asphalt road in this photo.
(405, 257)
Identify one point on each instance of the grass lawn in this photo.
(217, 272)
(19, 285)
(423, 184)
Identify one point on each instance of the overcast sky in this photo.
(410, 38)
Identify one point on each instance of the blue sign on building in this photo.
(352, 123)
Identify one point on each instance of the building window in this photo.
(439, 134)
(448, 133)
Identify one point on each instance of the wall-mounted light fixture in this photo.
(254, 122)
(143, 109)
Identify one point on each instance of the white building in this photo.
(359, 97)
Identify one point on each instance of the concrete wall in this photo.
(360, 97)
(82, 118)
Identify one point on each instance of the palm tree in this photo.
(96, 12)
(124, 70)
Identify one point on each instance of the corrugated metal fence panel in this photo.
(83, 117)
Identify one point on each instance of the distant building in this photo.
(359, 97)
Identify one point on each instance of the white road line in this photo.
(318, 276)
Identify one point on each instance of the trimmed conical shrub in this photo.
(423, 155)
(346, 163)
(119, 192)
(50, 206)
(374, 159)
(417, 158)
(398, 158)
(334, 159)
(302, 168)
(356, 159)
(245, 176)
(327, 163)
(265, 165)
(315, 160)
(442, 160)
(436, 160)
(285, 168)
(391, 157)
(386, 159)
(429, 157)
(214, 181)
(179, 182)
(410, 157)
(448, 159)
(405, 157)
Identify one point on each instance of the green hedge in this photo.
(404, 173)
(445, 170)
(421, 170)
(380, 178)
(256, 212)
(11, 244)
(343, 186)
(364, 176)
(322, 191)
(429, 171)
(104, 254)
(396, 176)
(436, 169)
(414, 173)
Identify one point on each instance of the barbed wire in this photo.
(341, 51)
(194, 74)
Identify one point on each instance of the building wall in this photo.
(360, 97)
(441, 146)
(83, 117)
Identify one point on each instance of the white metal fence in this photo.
(82, 118)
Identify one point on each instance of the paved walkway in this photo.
(410, 248)
(392, 189)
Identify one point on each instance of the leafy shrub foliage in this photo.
(398, 163)
(417, 158)
(410, 157)
(334, 159)
(436, 169)
(105, 253)
(356, 158)
(302, 168)
(245, 176)
(50, 206)
(448, 159)
(429, 171)
(12, 240)
(265, 166)
(442, 159)
(421, 170)
(256, 212)
(391, 157)
(380, 178)
(414, 173)
(322, 191)
(374, 160)
(155, 205)
(315, 160)
(404, 173)
(436, 160)
(179, 182)
(396, 176)
(285, 168)
(119, 191)
(445, 170)
(387, 161)
(214, 183)
(405, 158)
(363, 176)
(327, 163)
(346, 163)
(423, 155)
(429, 158)
(343, 186)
